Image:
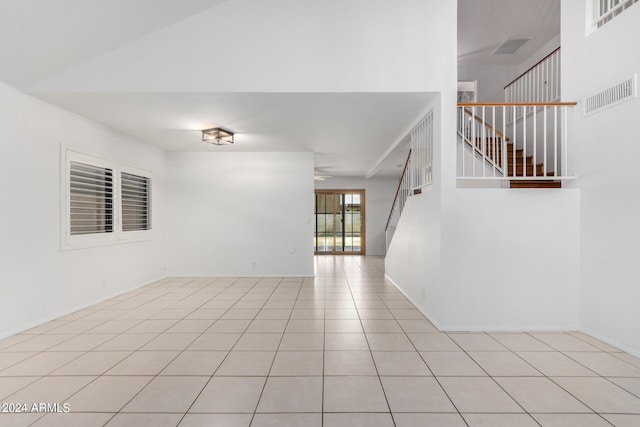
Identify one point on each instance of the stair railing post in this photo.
(524, 140)
(555, 140)
(535, 141)
(473, 142)
(483, 144)
(544, 158)
(462, 118)
(494, 157)
(503, 154)
(515, 140)
(565, 170)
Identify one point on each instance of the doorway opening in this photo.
(467, 91)
(339, 222)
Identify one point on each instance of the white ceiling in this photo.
(484, 24)
(349, 132)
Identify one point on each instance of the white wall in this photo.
(487, 259)
(491, 80)
(413, 259)
(38, 281)
(493, 259)
(379, 194)
(510, 259)
(240, 214)
(606, 144)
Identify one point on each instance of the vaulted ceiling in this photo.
(129, 64)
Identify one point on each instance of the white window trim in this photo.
(596, 21)
(80, 241)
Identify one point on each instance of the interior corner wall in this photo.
(38, 280)
(413, 258)
(606, 146)
(240, 214)
(379, 194)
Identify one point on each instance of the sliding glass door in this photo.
(339, 222)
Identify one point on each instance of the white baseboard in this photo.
(632, 351)
(486, 328)
(226, 276)
(429, 318)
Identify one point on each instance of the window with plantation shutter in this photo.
(104, 202)
(90, 199)
(135, 195)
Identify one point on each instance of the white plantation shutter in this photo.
(135, 205)
(104, 202)
(91, 199)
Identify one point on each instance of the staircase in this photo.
(523, 165)
(492, 148)
(524, 144)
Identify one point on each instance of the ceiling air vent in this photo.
(510, 45)
(614, 95)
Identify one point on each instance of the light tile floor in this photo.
(343, 349)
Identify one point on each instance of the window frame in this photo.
(117, 236)
(596, 20)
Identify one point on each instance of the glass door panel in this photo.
(339, 217)
(352, 223)
(339, 223)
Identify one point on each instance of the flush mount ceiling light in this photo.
(217, 136)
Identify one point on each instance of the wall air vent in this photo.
(623, 91)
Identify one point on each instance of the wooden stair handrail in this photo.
(517, 104)
(393, 205)
(534, 66)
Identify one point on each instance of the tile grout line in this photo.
(255, 411)
(384, 393)
(228, 352)
(179, 352)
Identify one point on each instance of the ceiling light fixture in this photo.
(217, 136)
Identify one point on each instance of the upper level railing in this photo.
(540, 83)
(514, 141)
(421, 172)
